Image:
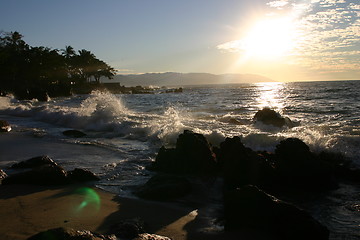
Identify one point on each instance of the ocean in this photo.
(125, 131)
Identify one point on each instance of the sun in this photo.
(271, 38)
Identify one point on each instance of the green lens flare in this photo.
(90, 199)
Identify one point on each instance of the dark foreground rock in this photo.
(299, 167)
(242, 166)
(192, 155)
(2, 174)
(148, 236)
(250, 208)
(165, 187)
(270, 117)
(4, 126)
(70, 234)
(128, 229)
(74, 133)
(44, 171)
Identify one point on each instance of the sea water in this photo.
(124, 132)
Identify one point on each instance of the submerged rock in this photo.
(74, 133)
(165, 187)
(250, 208)
(270, 117)
(192, 155)
(70, 234)
(4, 126)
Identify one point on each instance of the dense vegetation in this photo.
(28, 72)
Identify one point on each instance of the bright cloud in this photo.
(327, 33)
(278, 4)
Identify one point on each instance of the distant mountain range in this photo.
(181, 79)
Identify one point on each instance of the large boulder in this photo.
(164, 187)
(299, 167)
(70, 234)
(242, 166)
(4, 126)
(271, 117)
(250, 208)
(192, 155)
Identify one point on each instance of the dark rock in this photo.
(165, 187)
(29, 94)
(70, 234)
(128, 229)
(2, 174)
(74, 133)
(81, 175)
(147, 236)
(192, 155)
(299, 167)
(4, 126)
(270, 117)
(43, 175)
(35, 162)
(242, 166)
(250, 208)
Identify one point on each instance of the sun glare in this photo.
(269, 39)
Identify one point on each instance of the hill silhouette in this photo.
(181, 79)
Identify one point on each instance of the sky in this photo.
(285, 40)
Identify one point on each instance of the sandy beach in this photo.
(27, 210)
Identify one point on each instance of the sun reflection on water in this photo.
(270, 95)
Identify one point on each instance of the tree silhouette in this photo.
(25, 69)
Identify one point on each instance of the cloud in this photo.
(231, 46)
(278, 4)
(327, 33)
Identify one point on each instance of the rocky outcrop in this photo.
(250, 208)
(70, 234)
(44, 171)
(192, 155)
(4, 126)
(34, 162)
(74, 133)
(270, 117)
(42, 175)
(165, 187)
